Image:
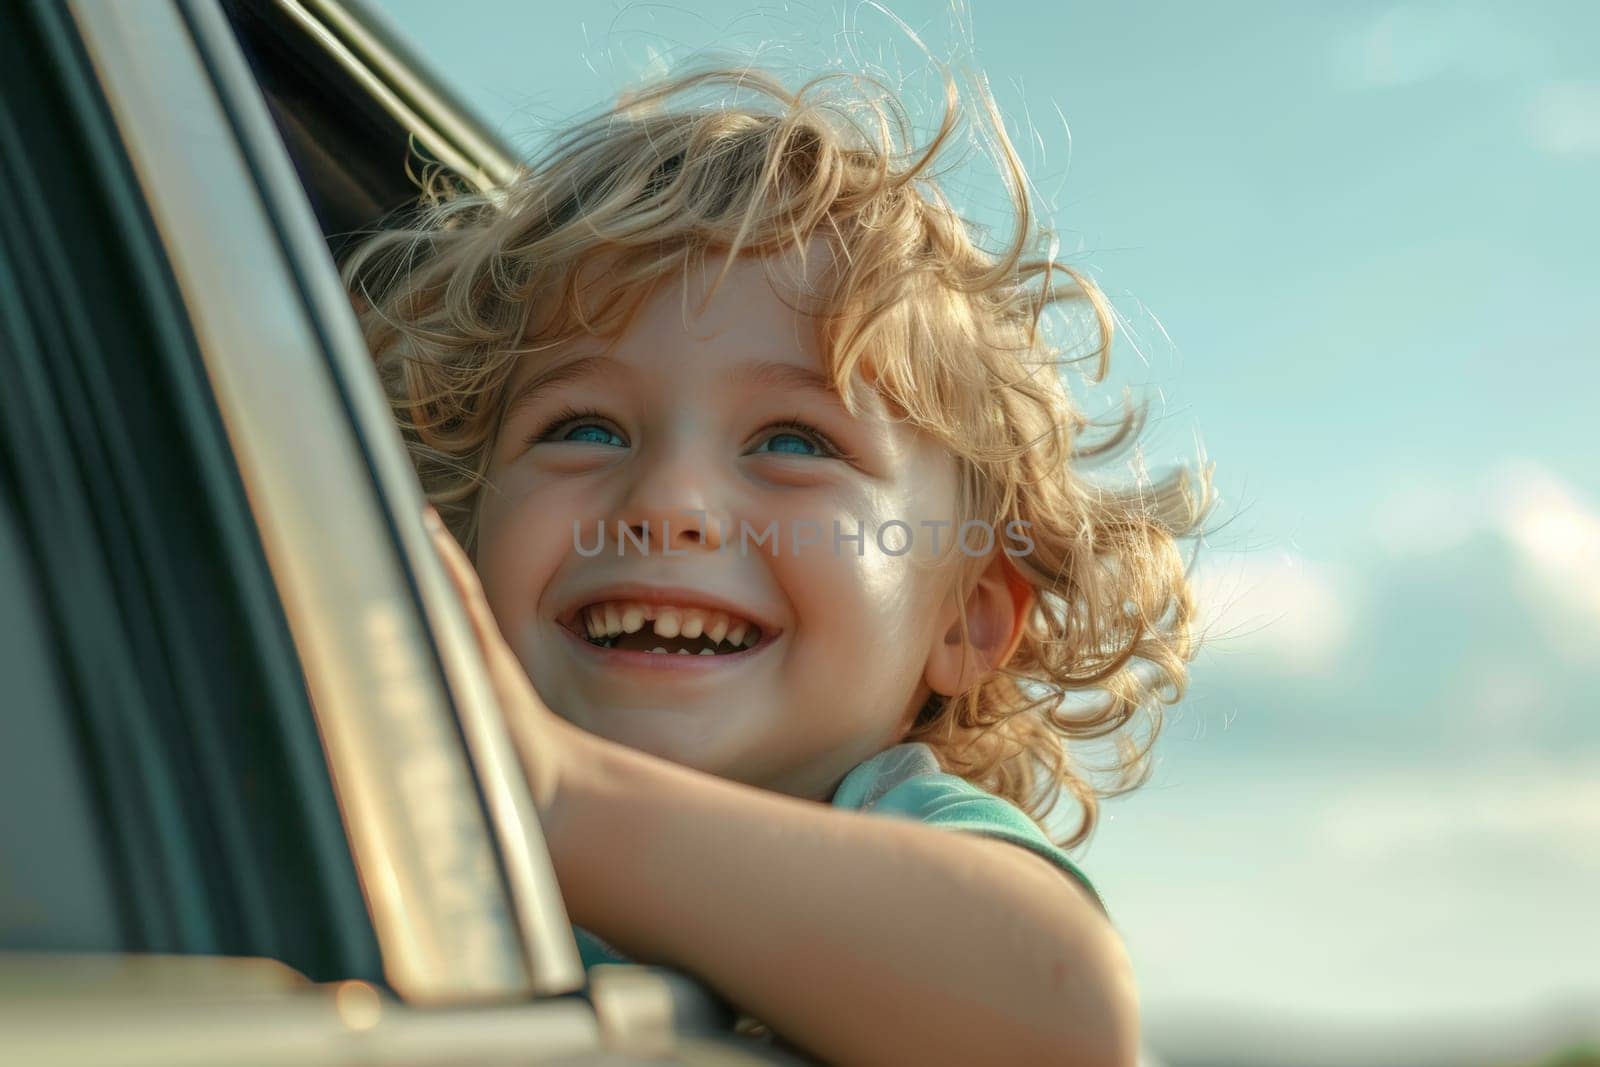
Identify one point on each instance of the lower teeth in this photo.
(611, 642)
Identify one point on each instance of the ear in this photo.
(997, 612)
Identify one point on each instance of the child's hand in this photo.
(540, 736)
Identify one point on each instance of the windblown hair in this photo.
(949, 334)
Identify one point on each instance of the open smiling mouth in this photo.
(635, 626)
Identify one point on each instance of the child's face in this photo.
(680, 426)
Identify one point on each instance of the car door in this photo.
(258, 803)
(140, 599)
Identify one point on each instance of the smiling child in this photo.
(765, 472)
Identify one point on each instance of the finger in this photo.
(465, 578)
(469, 586)
(460, 568)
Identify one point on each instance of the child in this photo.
(763, 469)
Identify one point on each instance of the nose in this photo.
(672, 505)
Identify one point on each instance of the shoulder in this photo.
(592, 951)
(907, 781)
(871, 779)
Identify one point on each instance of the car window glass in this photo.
(350, 155)
(56, 894)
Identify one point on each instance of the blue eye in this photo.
(793, 437)
(789, 442)
(577, 430)
(798, 439)
(589, 433)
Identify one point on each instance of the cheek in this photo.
(861, 590)
(866, 615)
(519, 548)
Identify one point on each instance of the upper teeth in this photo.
(630, 616)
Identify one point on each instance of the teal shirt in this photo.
(906, 782)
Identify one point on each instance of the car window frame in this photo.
(218, 197)
(464, 902)
(220, 831)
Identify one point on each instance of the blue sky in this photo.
(1354, 247)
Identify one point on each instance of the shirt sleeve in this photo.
(593, 951)
(953, 803)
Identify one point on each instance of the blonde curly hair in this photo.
(948, 333)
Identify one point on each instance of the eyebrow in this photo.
(770, 373)
(573, 370)
(776, 375)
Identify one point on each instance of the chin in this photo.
(665, 733)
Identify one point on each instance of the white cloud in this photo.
(1557, 538)
(1418, 42)
(1553, 533)
(1414, 43)
(1286, 613)
(1542, 806)
(1421, 518)
(1360, 898)
(1499, 700)
(1564, 118)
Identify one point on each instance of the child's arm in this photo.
(860, 939)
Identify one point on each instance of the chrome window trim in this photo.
(224, 199)
(551, 953)
(199, 1011)
(354, 35)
